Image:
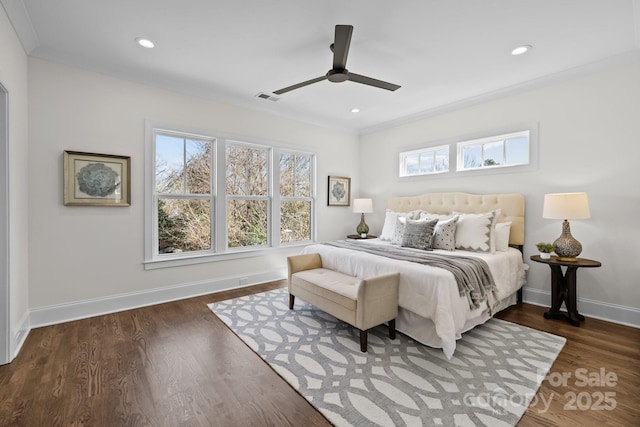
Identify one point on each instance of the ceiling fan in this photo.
(339, 72)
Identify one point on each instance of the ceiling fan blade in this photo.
(299, 85)
(372, 82)
(341, 45)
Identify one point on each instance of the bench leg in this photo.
(292, 299)
(392, 329)
(363, 341)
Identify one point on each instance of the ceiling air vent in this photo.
(263, 95)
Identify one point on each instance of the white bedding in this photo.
(431, 308)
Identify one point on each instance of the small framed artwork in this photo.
(92, 179)
(339, 191)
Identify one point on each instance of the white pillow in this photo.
(444, 236)
(503, 229)
(396, 239)
(389, 225)
(474, 232)
(439, 217)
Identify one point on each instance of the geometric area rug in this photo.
(490, 380)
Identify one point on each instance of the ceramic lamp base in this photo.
(566, 247)
(362, 228)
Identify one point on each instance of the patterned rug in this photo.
(490, 381)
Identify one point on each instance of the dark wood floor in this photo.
(176, 364)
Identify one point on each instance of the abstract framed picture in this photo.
(339, 191)
(92, 179)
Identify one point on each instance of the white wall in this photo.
(588, 126)
(13, 76)
(84, 253)
(589, 141)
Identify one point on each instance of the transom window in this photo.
(498, 151)
(424, 161)
(509, 150)
(213, 196)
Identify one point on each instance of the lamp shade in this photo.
(362, 205)
(566, 206)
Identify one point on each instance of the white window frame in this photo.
(481, 142)
(268, 197)
(278, 198)
(403, 155)
(455, 152)
(219, 250)
(155, 195)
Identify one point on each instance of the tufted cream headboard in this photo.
(512, 206)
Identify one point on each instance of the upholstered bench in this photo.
(363, 303)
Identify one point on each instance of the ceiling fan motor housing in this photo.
(337, 76)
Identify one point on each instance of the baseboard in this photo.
(614, 313)
(61, 313)
(23, 329)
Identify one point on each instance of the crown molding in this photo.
(636, 21)
(630, 57)
(19, 17)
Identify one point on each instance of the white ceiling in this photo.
(440, 52)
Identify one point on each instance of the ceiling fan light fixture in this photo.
(521, 50)
(146, 43)
(355, 110)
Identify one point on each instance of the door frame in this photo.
(5, 282)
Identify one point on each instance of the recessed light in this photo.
(355, 110)
(521, 50)
(145, 43)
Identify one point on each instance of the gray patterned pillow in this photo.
(419, 234)
(444, 235)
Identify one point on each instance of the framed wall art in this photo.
(339, 191)
(92, 179)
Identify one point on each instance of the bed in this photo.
(432, 308)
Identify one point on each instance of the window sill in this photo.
(182, 260)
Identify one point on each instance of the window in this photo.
(424, 161)
(499, 151)
(210, 197)
(296, 202)
(183, 193)
(248, 195)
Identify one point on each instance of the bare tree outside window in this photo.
(295, 197)
(183, 186)
(186, 202)
(247, 192)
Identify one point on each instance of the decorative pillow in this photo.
(439, 217)
(396, 239)
(474, 231)
(503, 229)
(414, 214)
(390, 223)
(419, 234)
(444, 235)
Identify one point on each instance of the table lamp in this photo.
(566, 206)
(362, 206)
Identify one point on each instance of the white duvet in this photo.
(431, 308)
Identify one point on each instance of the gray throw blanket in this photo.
(472, 274)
